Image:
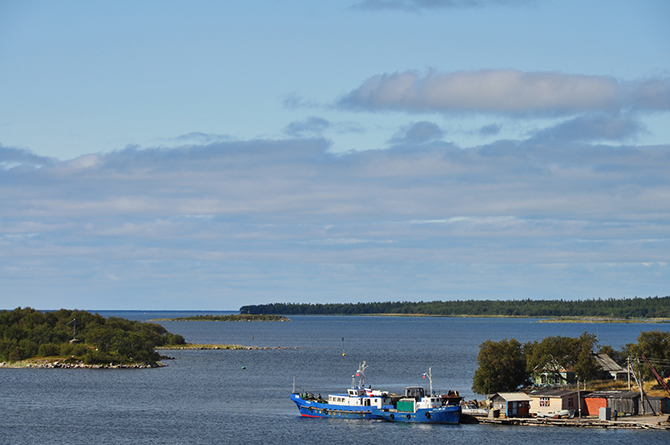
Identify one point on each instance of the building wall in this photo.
(570, 402)
(624, 405)
(592, 405)
(547, 405)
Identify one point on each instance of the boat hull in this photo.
(446, 414)
(315, 409)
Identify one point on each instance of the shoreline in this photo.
(541, 318)
(219, 347)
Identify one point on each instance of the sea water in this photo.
(242, 396)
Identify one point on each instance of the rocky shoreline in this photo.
(77, 365)
(213, 347)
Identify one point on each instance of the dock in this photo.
(629, 422)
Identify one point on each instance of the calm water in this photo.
(207, 396)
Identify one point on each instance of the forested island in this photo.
(232, 317)
(611, 308)
(74, 336)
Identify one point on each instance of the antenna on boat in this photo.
(293, 384)
(360, 373)
(429, 374)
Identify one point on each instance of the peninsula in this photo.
(232, 317)
(604, 310)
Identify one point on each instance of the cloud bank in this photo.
(269, 220)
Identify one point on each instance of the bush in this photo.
(48, 350)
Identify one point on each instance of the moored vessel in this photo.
(357, 403)
(415, 406)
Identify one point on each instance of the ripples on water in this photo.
(207, 396)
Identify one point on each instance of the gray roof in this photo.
(512, 396)
(628, 395)
(605, 394)
(548, 392)
(607, 364)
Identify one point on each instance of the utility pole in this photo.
(579, 400)
(640, 382)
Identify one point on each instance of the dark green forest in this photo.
(650, 307)
(27, 333)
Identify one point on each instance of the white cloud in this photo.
(591, 127)
(418, 132)
(311, 126)
(506, 92)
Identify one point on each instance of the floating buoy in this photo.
(244, 367)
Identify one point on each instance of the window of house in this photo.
(571, 402)
(544, 401)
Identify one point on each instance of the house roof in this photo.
(512, 396)
(605, 394)
(548, 392)
(628, 395)
(607, 364)
(657, 397)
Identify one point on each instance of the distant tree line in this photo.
(650, 307)
(508, 364)
(27, 333)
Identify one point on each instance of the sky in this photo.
(207, 155)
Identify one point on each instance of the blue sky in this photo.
(208, 155)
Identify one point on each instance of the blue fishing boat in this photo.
(357, 403)
(415, 406)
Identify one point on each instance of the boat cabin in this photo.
(360, 397)
(415, 391)
(418, 394)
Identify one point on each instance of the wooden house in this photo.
(549, 401)
(512, 404)
(560, 377)
(609, 369)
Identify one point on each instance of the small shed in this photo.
(626, 402)
(549, 401)
(513, 404)
(598, 399)
(655, 404)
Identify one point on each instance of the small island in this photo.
(232, 317)
(79, 339)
